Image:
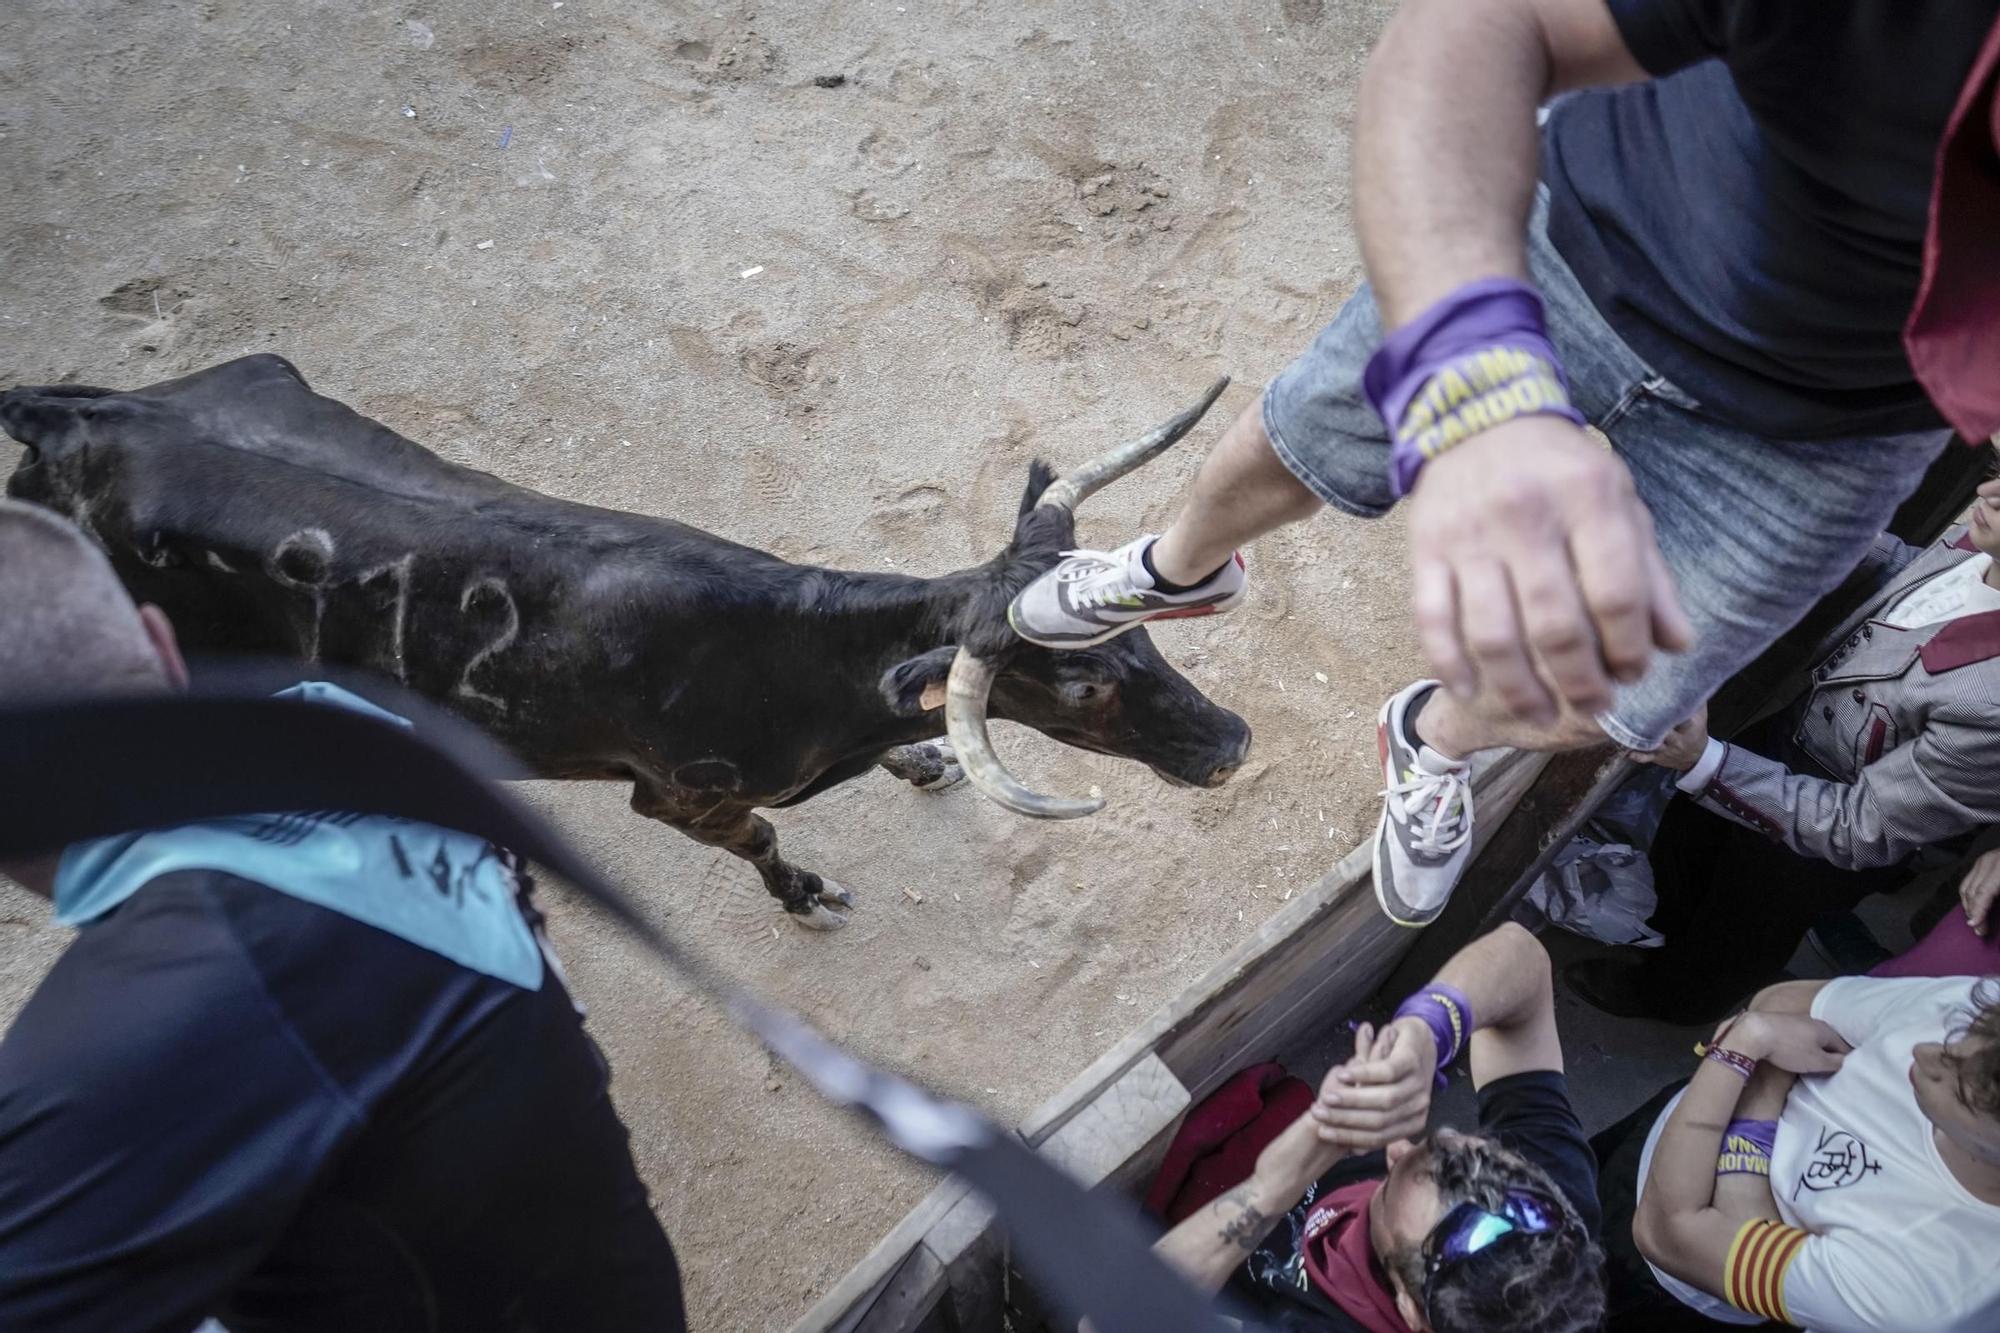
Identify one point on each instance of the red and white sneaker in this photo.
(1425, 837)
(1092, 596)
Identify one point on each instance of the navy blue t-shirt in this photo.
(1752, 221)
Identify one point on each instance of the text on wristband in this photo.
(1476, 392)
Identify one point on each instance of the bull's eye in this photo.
(1085, 693)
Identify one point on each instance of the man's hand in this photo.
(1792, 1042)
(1384, 1092)
(1682, 748)
(1307, 1148)
(1979, 888)
(1537, 575)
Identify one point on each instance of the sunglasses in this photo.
(1469, 1229)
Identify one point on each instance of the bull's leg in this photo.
(927, 765)
(810, 899)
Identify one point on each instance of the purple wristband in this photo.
(1487, 315)
(1747, 1146)
(1447, 1013)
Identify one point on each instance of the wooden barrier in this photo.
(1323, 956)
(944, 1268)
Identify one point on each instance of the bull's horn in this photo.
(1073, 488)
(965, 693)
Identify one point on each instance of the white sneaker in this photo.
(1425, 837)
(1092, 596)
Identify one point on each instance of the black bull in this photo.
(265, 518)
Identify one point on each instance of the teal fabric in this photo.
(447, 892)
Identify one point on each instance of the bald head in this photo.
(69, 627)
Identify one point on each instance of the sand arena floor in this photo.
(640, 255)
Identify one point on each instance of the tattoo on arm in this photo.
(1244, 1225)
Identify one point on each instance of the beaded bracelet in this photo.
(1732, 1060)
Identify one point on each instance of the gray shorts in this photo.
(1755, 530)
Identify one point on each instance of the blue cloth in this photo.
(447, 892)
(1751, 222)
(1755, 530)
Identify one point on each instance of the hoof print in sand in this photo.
(1128, 201)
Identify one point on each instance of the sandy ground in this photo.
(637, 255)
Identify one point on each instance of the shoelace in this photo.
(1438, 807)
(1108, 582)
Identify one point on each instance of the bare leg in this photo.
(809, 899)
(1241, 493)
(1457, 730)
(927, 765)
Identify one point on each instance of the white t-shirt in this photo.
(1961, 590)
(1897, 1243)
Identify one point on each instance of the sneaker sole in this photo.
(1113, 631)
(1382, 893)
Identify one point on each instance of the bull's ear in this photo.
(917, 686)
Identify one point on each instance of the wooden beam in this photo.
(848, 1301)
(911, 1300)
(1310, 962)
(1113, 1125)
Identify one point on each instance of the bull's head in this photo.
(1120, 697)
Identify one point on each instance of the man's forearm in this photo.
(1446, 148)
(1445, 163)
(1682, 1179)
(1209, 1246)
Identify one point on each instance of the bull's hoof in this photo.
(818, 916)
(833, 895)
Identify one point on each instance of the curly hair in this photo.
(1978, 1071)
(1551, 1283)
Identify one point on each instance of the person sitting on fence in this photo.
(1353, 1220)
(1890, 748)
(1833, 1164)
(1716, 270)
(298, 1071)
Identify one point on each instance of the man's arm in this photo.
(1382, 1094)
(1504, 974)
(1716, 1238)
(1534, 561)
(1446, 152)
(1932, 787)
(1209, 1246)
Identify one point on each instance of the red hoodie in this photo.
(1953, 334)
(1341, 1261)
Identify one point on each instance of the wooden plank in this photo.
(1118, 1126)
(912, 1300)
(849, 1299)
(968, 1243)
(1295, 957)
(1311, 962)
(1145, 1101)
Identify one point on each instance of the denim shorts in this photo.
(1755, 530)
